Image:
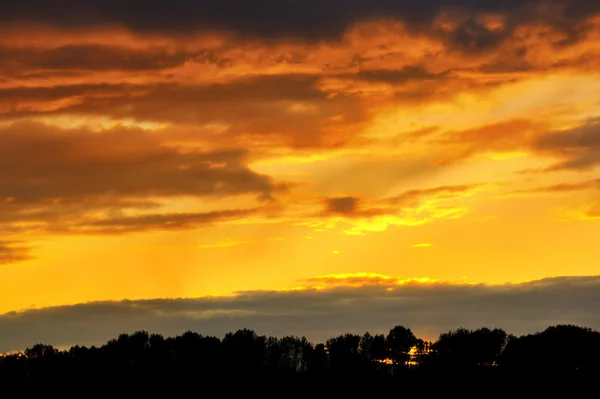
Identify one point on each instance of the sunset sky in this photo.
(293, 150)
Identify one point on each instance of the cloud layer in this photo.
(308, 19)
(12, 252)
(304, 129)
(341, 304)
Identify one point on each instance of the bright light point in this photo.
(336, 252)
(423, 245)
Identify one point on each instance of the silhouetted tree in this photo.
(465, 348)
(561, 347)
(345, 363)
(344, 351)
(40, 351)
(374, 351)
(400, 340)
(318, 361)
(244, 349)
(291, 353)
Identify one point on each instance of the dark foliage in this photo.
(475, 361)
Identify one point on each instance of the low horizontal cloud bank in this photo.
(351, 305)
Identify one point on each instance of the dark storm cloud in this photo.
(313, 19)
(428, 309)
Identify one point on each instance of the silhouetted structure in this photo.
(460, 360)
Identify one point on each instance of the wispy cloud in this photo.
(423, 245)
(11, 252)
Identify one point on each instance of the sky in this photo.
(304, 167)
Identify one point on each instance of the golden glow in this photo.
(182, 167)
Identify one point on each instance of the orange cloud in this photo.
(63, 180)
(411, 208)
(579, 147)
(341, 118)
(331, 281)
(11, 252)
(562, 187)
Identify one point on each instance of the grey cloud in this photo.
(318, 314)
(152, 97)
(342, 204)
(471, 36)
(57, 180)
(87, 57)
(562, 187)
(39, 162)
(256, 106)
(306, 19)
(351, 207)
(172, 221)
(15, 95)
(579, 147)
(403, 75)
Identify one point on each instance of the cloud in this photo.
(410, 208)
(576, 148)
(279, 110)
(86, 58)
(282, 93)
(406, 74)
(592, 213)
(77, 179)
(342, 205)
(579, 147)
(505, 136)
(172, 221)
(413, 197)
(562, 187)
(39, 162)
(311, 19)
(346, 304)
(11, 252)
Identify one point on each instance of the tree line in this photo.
(565, 350)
